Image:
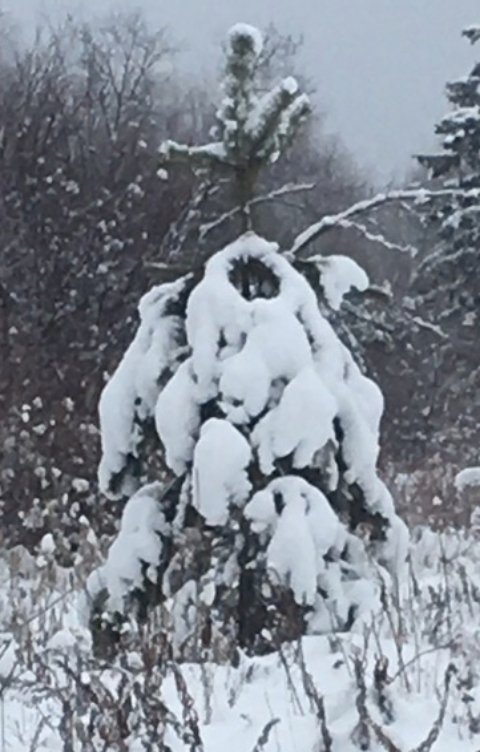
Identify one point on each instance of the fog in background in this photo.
(379, 66)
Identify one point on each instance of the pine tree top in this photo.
(459, 128)
(253, 128)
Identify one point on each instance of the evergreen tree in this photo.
(447, 278)
(267, 519)
(453, 265)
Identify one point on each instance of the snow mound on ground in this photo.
(234, 705)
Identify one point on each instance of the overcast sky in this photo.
(380, 66)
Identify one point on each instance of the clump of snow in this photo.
(290, 85)
(138, 543)
(80, 485)
(244, 32)
(47, 544)
(62, 641)
(340, 274)
(276, 347)
(467, 478)
(302, 527)
(397, 547)
(217, 484)
(268, 108)
(301, 424)
(472, 33)
(131, 394)
(177, 418)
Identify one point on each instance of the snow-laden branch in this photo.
(467, 478)
(377, 237)
(198, 156)
(264, 118)
(285, 190)
(423, 324)
(403, 312)
(332, 221)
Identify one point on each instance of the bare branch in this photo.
(265, 735)
(433, 735)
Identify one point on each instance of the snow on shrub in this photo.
(272, 433)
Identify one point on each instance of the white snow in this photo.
(80, 485)
(47, 544)
(214, 309)
(301, 528)
(61, 641)
(131, 393)
(467, 478)
(221, 457)
(268, 107)
(177, 418)
(244, 30)
(302, 422)
(338, 275)
(462, 119)
(276, 347)
(137, 542)
(235, 704)
(301, 533)
(290, 84)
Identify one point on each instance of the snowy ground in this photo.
(272, 703)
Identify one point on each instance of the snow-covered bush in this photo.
(264, 518)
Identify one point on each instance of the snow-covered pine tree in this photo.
(447, 278)
(453, 265)
(268, 520)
